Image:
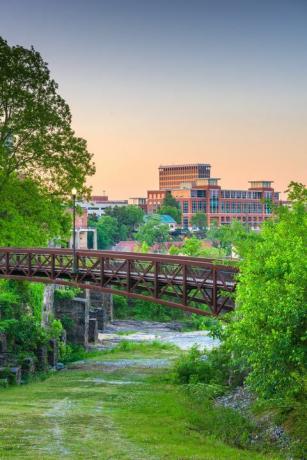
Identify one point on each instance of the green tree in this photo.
(36, 138)
(175, 213)
(268, 334)
(129, 216)
(171, 207)
(107, 232)
(228, 237)
(30, 215)
(153, 232)
(199, 220)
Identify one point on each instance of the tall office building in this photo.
(172, 177)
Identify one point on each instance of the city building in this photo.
(196, 193)
(98, 204)
(172, 176)
(140, 202)
(154, 200)
(221, 206)
(82, 231)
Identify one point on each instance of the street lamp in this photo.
(74, 194)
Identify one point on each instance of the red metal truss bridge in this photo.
(192, 284)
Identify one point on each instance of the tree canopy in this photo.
(268, 334)
(171, 207)
(36, 137)
(130, 216)
(153, 231)
(199, 220)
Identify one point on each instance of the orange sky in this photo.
(152, 82)
(129, 150)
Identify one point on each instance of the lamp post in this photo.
(74, 266)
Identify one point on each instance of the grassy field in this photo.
(99, 409)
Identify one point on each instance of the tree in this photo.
(107, 232)
(268, 333)
(171, 207)
(30, 215)
(153, 232)
(36, 138)
(228, 237)
(129, 216)
(175, 213)
(199, 220)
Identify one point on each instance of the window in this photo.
(214, 201)
(185, 207)
(201, 206)
(194, 207)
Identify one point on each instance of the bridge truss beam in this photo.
(192, 284)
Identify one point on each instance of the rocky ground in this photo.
(146, 331)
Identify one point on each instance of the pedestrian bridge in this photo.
(193, 284)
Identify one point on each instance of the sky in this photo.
(170, 81)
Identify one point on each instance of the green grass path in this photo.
(94, 411)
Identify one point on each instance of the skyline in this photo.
(150, 84)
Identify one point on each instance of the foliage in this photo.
(169, 200)
(172, 211)
(143, 310)
(20, 313)
(30, 215)
(297, 193)
(68, 293)
(209, 367)
(268, 334)
(171, 207)
(107, 232)
(228, 237)
(153, 231)
(194, 247)
(199, 220)
(36, 138)
(128, 219)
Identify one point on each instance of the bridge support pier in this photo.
(91, 309)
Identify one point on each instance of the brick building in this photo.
(204, 194)
(172, 176)
(138, 201)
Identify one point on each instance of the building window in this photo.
(194, 207)
(185, 207)
(201, 206)
(214, 201)
(185, 222)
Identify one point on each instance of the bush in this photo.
(66, 293)
(268, 334)
(144, 310)
(213, 367)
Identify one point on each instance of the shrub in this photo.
(268, 334)
(210, 367)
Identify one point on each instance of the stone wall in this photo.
(74, 314)
(78, 312)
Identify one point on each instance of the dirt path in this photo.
(120, 405)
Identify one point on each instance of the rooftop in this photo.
(185, 165)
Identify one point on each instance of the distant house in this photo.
(164, 219)
(126, 246)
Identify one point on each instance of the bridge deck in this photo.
(193, 284)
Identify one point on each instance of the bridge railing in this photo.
(193, 284)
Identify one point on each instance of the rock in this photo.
(15, 375)
(240, 399)
(60, 366)
(52, 352)
(28, 366)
